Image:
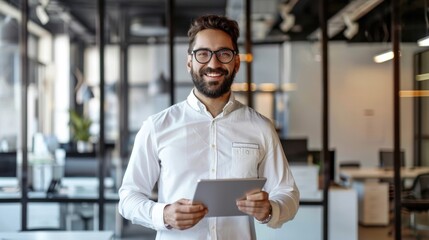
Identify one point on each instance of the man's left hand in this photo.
(255, 204)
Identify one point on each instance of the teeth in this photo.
(213, 74)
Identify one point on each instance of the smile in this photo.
(213, 74)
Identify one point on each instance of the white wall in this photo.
(361, 94)
(360, 103)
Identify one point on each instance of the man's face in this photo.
(213, 79)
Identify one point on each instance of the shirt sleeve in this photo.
(139, 180)
(280, 185)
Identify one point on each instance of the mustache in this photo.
(213, 70)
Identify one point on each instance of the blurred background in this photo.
(76, 151)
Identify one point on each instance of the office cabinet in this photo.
(373, 198)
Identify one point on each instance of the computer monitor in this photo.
(80, 165)
(317, 157)
(8, 165)
(295, 149)
(386, 158)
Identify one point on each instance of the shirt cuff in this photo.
(275, 214)
(158, 216)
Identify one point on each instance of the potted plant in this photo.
(80, 129)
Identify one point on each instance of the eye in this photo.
(203, 53)
(225, 54)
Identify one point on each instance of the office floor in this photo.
(133, 232)
(365, 233)
(382, 233)
(386, 233)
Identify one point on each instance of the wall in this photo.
(361, 99)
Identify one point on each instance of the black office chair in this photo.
(8, 165)
(349, 164)
(416, 200)
(82, 165)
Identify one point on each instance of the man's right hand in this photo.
(183, 214)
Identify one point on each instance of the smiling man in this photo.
(209, 136)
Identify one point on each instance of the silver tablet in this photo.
(220, 195)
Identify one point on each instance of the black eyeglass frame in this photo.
(234, 53)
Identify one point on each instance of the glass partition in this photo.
(10, 104)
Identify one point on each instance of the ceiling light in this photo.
(288, 18)
(352, 28)
(356, 9)
(288, 22)
(148, 27)
(42, 15)
(422, 77)
(383, 57)
(423, 42)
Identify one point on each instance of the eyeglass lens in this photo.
(205, 55)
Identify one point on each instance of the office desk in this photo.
(55, 235)
(360, 174)
(60, 210)
(373, 195)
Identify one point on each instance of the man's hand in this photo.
(255, 204)
(183, 214)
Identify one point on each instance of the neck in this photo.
(214, 105)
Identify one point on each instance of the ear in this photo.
(189, 63)
(237, 63)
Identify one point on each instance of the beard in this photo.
(204, 87)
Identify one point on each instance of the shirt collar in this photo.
(197, 105)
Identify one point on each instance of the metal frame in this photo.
(323, 11)
(23, 34)
(396, 30)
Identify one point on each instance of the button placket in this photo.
(213, 149)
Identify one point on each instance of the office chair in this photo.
(386, 161)
(8, 164)
(347, 165)
(416, 199)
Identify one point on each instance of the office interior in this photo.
(67, 123)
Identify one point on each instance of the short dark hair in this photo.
(216, 22)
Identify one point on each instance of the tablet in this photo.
(220, 195)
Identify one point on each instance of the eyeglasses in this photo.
(224, 55)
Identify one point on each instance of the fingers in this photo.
(257, 196)
(182, 214)
(255, 204)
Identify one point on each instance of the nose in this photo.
(214, 62)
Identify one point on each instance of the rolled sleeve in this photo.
(275, 215)
(158, 216)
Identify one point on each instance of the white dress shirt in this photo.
(184, 143)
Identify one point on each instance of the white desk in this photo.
(55, 235)
(360, 174)
(373, 195)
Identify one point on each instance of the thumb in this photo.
(184, 201)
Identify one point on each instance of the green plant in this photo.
(79, 126)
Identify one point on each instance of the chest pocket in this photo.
(245, 160)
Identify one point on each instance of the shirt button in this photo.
(213, 146)
(213, 170)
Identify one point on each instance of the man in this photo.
(208, 136)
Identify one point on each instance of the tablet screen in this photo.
(220, 195)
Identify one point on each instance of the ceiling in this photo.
(272, 20)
